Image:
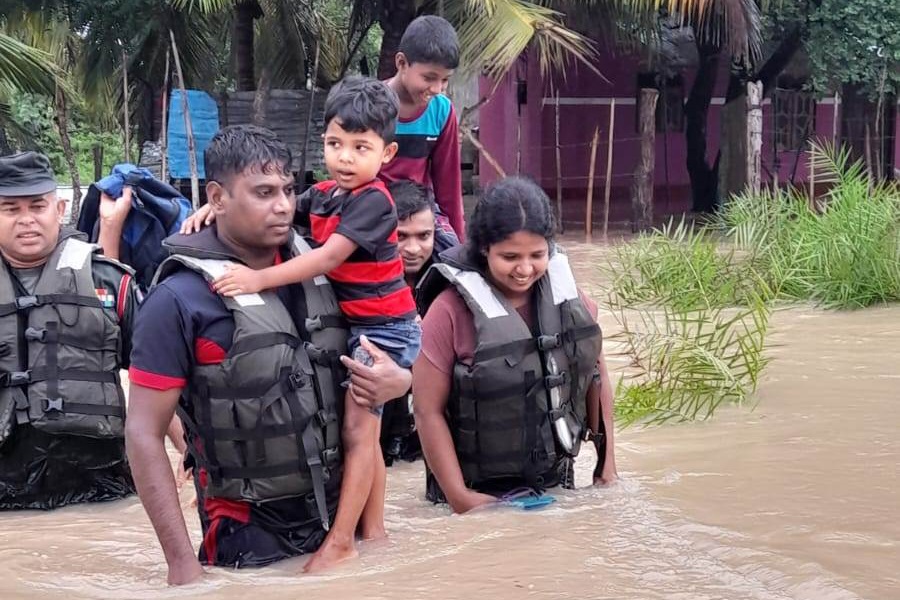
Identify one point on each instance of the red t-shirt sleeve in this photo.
(446, 178)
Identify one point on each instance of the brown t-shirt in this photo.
(448, 329)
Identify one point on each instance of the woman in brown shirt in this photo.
(511, 245)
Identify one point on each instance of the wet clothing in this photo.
(40, 467)
(516, 409)
(428, 153)
(184, 325)
(399, 438)
(369, 285)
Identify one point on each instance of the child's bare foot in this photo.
(329, 555)
(372, 533)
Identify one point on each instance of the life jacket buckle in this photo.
(331, 457)
(548, 342)
(53, 405)
(322, 419)
(314, 352)
(298, 380)
(33, 334)
(26, 302)
(314, 324)
(552, 381)
(15, 378)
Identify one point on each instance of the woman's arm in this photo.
(431, 389)
(603, 390)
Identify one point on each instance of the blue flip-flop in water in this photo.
(526, 499)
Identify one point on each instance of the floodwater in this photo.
(795, 497)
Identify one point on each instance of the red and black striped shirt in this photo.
(369, 285)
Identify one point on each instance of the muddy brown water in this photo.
(795, 497)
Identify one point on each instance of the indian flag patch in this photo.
(106, 299)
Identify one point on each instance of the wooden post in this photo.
(812, 179)
(164, 128)
(309, 116)
(642, 200)
(559, 205)
(835, 120)
(97, 150)
(609, 163)
(589, 201)
(125, 110)
(192, 154)
(754, 135)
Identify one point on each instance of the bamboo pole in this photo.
(609, 163)
(483, 151)
(559, 206)
(125, 110)
(589, 202)
(192, 155)
(164, 128)
(309, 116)
(812, 179)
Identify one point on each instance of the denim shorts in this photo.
(399, 339)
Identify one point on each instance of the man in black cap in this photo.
(66, 316)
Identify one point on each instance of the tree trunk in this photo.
(703, 177)
(732, 171)
(754, 136)
(5, 148)
(732, 156)
(395, 16)
(62, 124)
(642, 199)
(244, 14)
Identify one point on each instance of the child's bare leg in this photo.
(371, 524)
(360, 426)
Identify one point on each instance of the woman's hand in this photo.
(470, 500)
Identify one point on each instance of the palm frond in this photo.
(493, 34)
(27, 68)
(205, 6)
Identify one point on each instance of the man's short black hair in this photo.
(410, 198)
(430, 39)
(236, 148)
(363, 104)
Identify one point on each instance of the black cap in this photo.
(26, 174)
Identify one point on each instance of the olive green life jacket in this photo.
(520, 407)
(59, 348)
(265, 422)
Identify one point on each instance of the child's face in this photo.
(422, 81)
(354, 159)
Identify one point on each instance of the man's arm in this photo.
(446, 177)
(149, 414)
(113, 212)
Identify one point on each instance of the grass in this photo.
(693, 302)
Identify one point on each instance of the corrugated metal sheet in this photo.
(285, 112)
